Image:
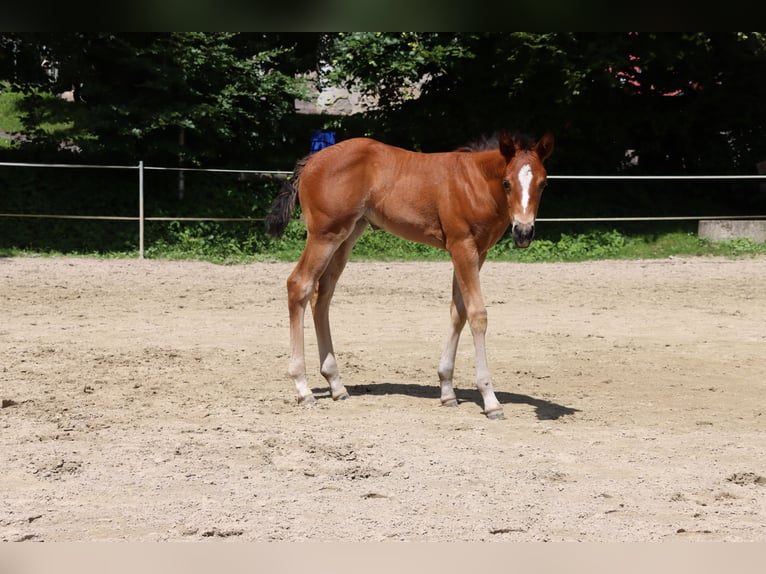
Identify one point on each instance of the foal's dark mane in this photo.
(485, 143)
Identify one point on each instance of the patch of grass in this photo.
(18, 252)
(222, 244)
(382, 246)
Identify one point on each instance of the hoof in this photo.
(495, 415)
(341, 397)
(449, 402)
(307, 400)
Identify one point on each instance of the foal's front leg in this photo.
(467, 262)
(447, 362)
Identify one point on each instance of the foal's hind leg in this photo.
(320, 309)
(301, 285)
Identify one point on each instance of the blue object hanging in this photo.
(321, 139)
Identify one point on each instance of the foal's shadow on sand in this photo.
(545, 410)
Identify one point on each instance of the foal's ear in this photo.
(544, 147)
(506, 145)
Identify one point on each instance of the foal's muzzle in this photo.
(523, 234)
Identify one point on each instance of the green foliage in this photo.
(9, 117)
(229, 96)
(189, 97)
(592, 243)
(11, 104)
(205, 241)
(600, 93)
(388, 66)
(589, 245)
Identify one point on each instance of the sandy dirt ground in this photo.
(149, 401)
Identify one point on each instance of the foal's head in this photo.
(524, 179)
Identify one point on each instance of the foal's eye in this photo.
(507, 185)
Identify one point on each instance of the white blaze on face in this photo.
(525, 179)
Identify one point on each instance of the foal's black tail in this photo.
(281, 208)
(284, 203)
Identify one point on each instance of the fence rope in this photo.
(258, 219)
